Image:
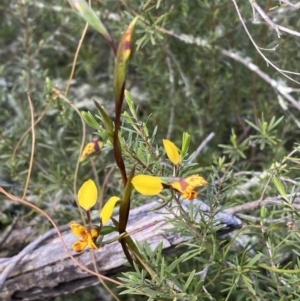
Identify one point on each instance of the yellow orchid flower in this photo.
(88, 236)
(187, 186)
(151, 185)
(87, 196)
(172, 151)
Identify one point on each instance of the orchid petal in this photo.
(179, 185)
(195, 181)
(91, 243)
(172, 151)
(78, 230)
(189, 194)
(95, 231)
(87, 195)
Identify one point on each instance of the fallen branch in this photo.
(48, 271)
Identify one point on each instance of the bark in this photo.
(48, 271)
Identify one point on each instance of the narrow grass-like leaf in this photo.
(279, 186)
(125, 204)
(128, 242)
(88, 14)
(254, 259)
(189, 280)
(107, 230)
(90, 120)
(107, 122)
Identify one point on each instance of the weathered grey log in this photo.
(48, 271)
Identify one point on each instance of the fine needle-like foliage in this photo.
(132, 102)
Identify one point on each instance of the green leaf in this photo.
(88, 14)
(189, 280)
(186, 139)
(90, 120)
(254, 259)
(107, 122)
(125, 204)
(253, 125)
(279, 186)
(107, 230)
(130, 102)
